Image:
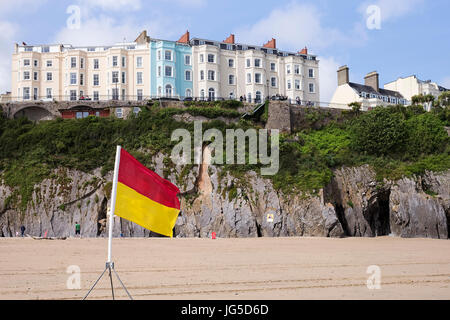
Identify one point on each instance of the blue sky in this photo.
(414, 37)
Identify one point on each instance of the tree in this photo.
(444, 99)
(379, 132)
(356, 106)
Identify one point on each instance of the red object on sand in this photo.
(45, 234)
(213, 235)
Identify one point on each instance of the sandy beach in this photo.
(264, 268)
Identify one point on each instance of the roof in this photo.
(368, 89)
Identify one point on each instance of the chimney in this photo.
(230, 39)
(343, 77)
(185, 38)
(372, 80)
(142, 38)
(271, 44)
(304, 51)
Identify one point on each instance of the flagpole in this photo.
(113, 201)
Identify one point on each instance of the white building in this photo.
(231, 70)
(368, 94)
(412, 86)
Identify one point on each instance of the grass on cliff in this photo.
(395, 141)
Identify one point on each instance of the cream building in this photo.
(63, 72)
(368, 94)
(231, 70)
(412, 86)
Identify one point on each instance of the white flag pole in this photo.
(113, 201)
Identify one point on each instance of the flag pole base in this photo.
(110, 268)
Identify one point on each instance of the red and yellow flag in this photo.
(145, 198)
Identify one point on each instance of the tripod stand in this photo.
(110, 267)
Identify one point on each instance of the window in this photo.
(297, 84)
(115, 93)
(96, 80)
(296, 69)
(273, 66)
(258, 97)
(289, 85)
(26, 75)
(231, 63)
(249, 78)
(26, 62)
(159, 71)
(124, 76)
(257, 77)
(257, 63)
(311, 73)
(139, 94)
(168, 71)
(35, 76)
(119, 113)
(139, 62)
(115, 77)
(249, 97)
(211, 94)
(202, 94)
(96, 65)
(159, 55)
(49, 76)
(35, 62)
(114, 61)
(49, 93)
(211, 58)
(26, 93)
(123, 94)
(288, 69)
(124, 62)
(187, 60)
(188, 75)
(82, 63)
(73, 63)
(188, 93)
(231, 79)
(248, 63)
(168, 90)
(45, 49)
(202, 75)
(211, 75)
(96, 97)
(136, 110)
(159, 91)
(202, 59)
(49, 63)
(139, 78)
(168, 55)
(81, 79)
(311, 87)
(273, 81)
(73, 95)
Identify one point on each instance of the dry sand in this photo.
(265, 268)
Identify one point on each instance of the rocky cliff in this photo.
(353, 204)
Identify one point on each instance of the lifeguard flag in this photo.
(145, 198)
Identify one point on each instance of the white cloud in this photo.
(392, 9)
(111, 5)
(7, 33)
(328, 77)
(294, 26)
(8, 6)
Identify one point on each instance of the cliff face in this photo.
(353, 204)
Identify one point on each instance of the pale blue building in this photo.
(171, 68)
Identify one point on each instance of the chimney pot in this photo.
(372, 80)
(343, 77)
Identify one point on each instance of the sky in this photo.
(396, 38)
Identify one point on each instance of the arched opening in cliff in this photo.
(101, 218)
(340, 213)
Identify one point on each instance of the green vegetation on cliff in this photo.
(396, 141)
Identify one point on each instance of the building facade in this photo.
(368, 94)
(231, 70)
(151, 68)
(412, 86)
